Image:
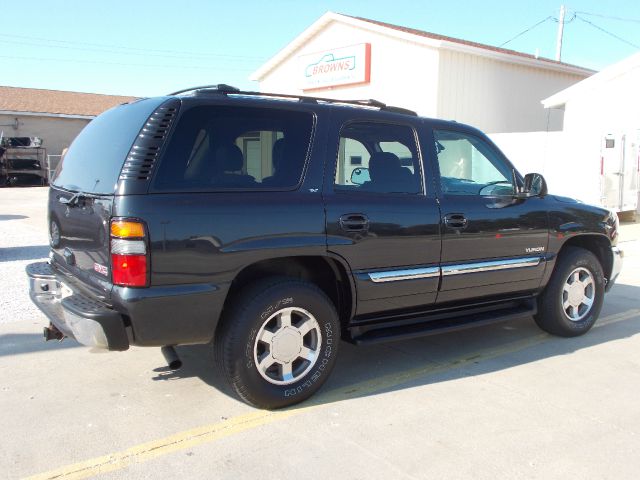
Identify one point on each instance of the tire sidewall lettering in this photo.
(275, 307)
(316, 374)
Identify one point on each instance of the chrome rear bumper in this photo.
(73, 314)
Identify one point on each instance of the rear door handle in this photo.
(456, 221)
(354, 222)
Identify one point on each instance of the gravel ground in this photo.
(23, 239)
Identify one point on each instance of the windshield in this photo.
(94, 160)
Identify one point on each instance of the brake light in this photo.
(129, 263)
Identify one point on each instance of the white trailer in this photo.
(620, 170)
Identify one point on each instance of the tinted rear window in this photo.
(94, 159)
(216, 147)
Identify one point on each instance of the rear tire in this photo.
(571, 302)
(278, 342)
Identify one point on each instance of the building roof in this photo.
(57, 102)
(426, 38)
(601, 78)
(436, 36)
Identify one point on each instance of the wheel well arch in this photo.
(599, 245)
(328, 273)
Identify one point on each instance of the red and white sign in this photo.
(336, 67)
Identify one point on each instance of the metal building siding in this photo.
(497, 96)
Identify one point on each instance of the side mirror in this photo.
(360, 175)
(534, 185)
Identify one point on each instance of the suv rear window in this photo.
(94, 160)
(217, 147)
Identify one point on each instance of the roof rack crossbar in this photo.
(227, 89)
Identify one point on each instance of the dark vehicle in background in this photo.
(274, 226)
(23, 161)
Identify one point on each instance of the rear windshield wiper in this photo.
(75, 199)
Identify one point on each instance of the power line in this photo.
(610, 17)
(176, 67)
(121, 47)
(527, 30)
(145, 54)
(607, 32)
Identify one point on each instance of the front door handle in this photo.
(354, 222)
(456, 221)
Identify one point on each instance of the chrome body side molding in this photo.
(458, 269)
(491, 266)
(406, 274)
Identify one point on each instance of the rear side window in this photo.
(94, 160)
(386, 159)
(245, 148)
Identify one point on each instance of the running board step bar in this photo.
(425, 326)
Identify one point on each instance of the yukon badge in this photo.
(101, 269)
(534, 249)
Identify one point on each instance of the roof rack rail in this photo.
(304, 98)
(220, 87)
(228, 89)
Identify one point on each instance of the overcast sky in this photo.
(143, 47)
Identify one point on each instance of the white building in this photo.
(609, 100)
(596, 156)
(494, 89)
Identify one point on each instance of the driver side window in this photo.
(469, 166)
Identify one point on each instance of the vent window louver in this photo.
(144, 153)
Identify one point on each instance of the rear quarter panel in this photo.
(210, 237)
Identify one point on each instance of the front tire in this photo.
(278, 342)
(571, 302)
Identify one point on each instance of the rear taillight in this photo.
(129, 263)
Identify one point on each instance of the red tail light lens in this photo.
(129, 263)
(129, 270)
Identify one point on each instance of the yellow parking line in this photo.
(147, 451)
(209, 433)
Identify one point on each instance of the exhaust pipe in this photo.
(171, 357)
(52, 333)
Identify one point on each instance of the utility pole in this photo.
(560, 31)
